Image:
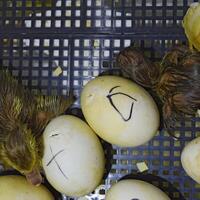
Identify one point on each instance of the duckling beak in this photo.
(34, 177)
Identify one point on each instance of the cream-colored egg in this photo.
(135, 189)
(190, 159)
(120, 111)
(73, 158)
(14, 187)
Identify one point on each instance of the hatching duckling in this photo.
(175, 81)
(23, 116)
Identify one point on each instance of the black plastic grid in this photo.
(32, 53)
(34, 59)
(106, 16)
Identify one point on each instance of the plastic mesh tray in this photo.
(109, 16)
(83, 38)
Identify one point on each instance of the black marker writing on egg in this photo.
(134, 199)
(110, 98)
(54, 159)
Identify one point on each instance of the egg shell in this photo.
(135, 190)
(73, 158)
(190, 159)
(14, 187)
(120, 111)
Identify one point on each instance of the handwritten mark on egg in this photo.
(110, 98)
(134, 199)
(56, 134)
(54, 159)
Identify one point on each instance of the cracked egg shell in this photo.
(120, 111)
(135, 190)
(73, 158)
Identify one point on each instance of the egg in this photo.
(73, 158)
(135, 190)
(190, 159)
(120, 111)
(17, 188)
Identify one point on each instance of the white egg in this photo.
(13, 187)
(135, 190)
(190, 159)
(73, 158)
(120, 111)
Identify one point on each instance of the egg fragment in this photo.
(17, 188)
(190, 159)
(73, 158)
(135, 190)
(119, 111)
